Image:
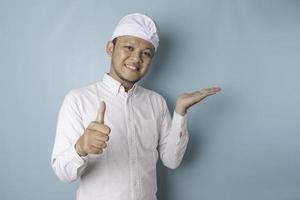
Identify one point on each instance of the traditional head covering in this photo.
(138, 25)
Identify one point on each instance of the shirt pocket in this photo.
(148, 134)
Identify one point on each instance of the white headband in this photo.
(138, 25)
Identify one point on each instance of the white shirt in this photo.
(141, 130)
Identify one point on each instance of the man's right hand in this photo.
(95, 136)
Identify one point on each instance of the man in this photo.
(111, 133)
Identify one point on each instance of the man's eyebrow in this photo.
(152, 51)
(133, 43)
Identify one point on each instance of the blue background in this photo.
(244, 141)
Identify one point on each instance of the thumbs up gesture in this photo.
(95, 136)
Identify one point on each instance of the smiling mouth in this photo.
(131, 67)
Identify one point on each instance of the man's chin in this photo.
(130, 79)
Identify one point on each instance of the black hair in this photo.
(114, 41)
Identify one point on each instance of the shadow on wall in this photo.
(199, 142)
(163, 183)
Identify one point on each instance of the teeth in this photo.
(131, 67)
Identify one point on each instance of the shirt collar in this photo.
(115, 86)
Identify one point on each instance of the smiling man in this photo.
(131, 57)
(110, 134)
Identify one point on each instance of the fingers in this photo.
(207, 92)
(210, 90)
(199, 95)
(95, 126)
(101, 112)
(102, 137)
(96, 134)
(99, 145)
(213, 90)
(95, 150)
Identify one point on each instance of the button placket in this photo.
(134, 162)
(131, 145)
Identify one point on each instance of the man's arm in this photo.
(66, 162)
(173, 132)
(173, 138)
(73, 142)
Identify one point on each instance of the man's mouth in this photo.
(132, 67)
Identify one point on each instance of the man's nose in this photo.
(136, 57)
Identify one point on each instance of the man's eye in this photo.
(129, 47)
(148, 54)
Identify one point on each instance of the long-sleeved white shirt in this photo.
(141, 130)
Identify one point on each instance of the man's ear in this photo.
(109, 48)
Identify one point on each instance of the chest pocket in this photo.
(147, 134)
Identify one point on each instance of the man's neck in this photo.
(126, 84)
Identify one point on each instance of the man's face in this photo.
(130, 58)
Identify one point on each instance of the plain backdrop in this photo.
(244, 141)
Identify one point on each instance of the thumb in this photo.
(101, 112)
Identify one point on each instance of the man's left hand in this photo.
(186, 100)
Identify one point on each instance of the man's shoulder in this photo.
(84, 91)
(146, 91)
(156, 98)
(151, 93)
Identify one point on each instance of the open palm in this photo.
(186, 100)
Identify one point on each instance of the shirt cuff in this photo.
(179, 126)
(179, 121)
(79, 160)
